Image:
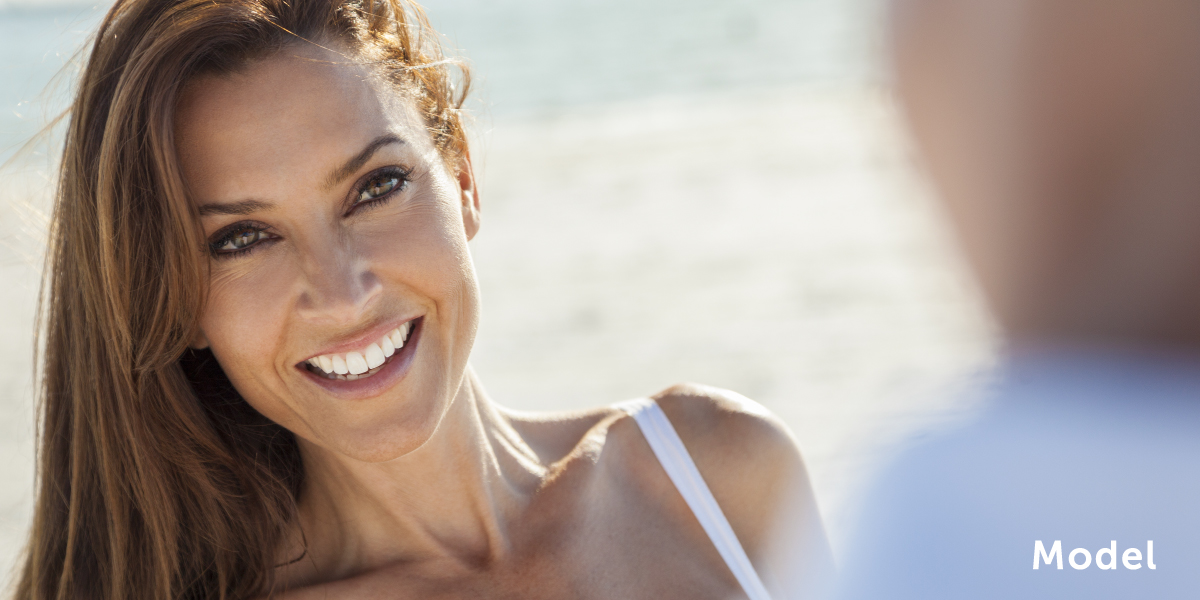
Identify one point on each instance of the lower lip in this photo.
(392, 372)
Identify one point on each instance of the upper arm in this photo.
(751, 463)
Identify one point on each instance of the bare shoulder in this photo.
(721, 423)
(743, 450)
(745, 453)
(562, 435)
(750, 462)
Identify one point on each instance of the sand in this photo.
(778, 243)
(781, 244)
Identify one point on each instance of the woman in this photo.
(259, 311)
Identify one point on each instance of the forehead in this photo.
(298, 111)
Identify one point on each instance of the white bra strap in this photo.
(682, 470)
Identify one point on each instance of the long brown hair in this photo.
(155, 479)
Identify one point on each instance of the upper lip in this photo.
(359, 341)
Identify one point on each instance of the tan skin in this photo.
(423, 486)
(1064, 137)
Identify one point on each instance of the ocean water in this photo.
(719, 192)
(537, 57)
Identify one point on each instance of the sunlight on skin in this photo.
(330, 272)
(327, 273)
(415, 480)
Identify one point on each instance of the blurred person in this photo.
(1063, 137)
(259, 309)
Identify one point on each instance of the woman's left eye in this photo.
(239, 239)
(380, 185)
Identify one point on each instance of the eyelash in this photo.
(397, 177)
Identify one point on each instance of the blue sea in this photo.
(717, 191)
(532, 57)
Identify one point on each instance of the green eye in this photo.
(378, 187)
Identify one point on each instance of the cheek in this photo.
(423, 249)
(244, 320)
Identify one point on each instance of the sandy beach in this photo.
(770, 235)
(779, 244)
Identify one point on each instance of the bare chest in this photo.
(613, 549)
(628, 558)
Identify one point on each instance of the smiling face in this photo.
(336, 229)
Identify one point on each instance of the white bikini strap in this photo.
(675, 459)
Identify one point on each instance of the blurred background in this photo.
(673, 190)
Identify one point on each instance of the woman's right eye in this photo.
(239, 241)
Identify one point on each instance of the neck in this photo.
(451, 498)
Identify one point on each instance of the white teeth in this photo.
(374, 356)
(354, 364)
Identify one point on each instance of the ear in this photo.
(199, 342)
(468, 194)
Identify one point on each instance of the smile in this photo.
(363, 363)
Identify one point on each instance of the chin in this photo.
(381, 438)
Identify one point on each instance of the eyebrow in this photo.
(246, 207)
(340, 174)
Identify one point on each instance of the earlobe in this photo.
(468, 195)
(199, 342)
(470, 210)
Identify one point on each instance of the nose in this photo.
(339, 286)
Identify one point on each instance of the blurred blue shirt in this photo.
(1082, 448)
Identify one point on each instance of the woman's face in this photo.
(342, 303)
